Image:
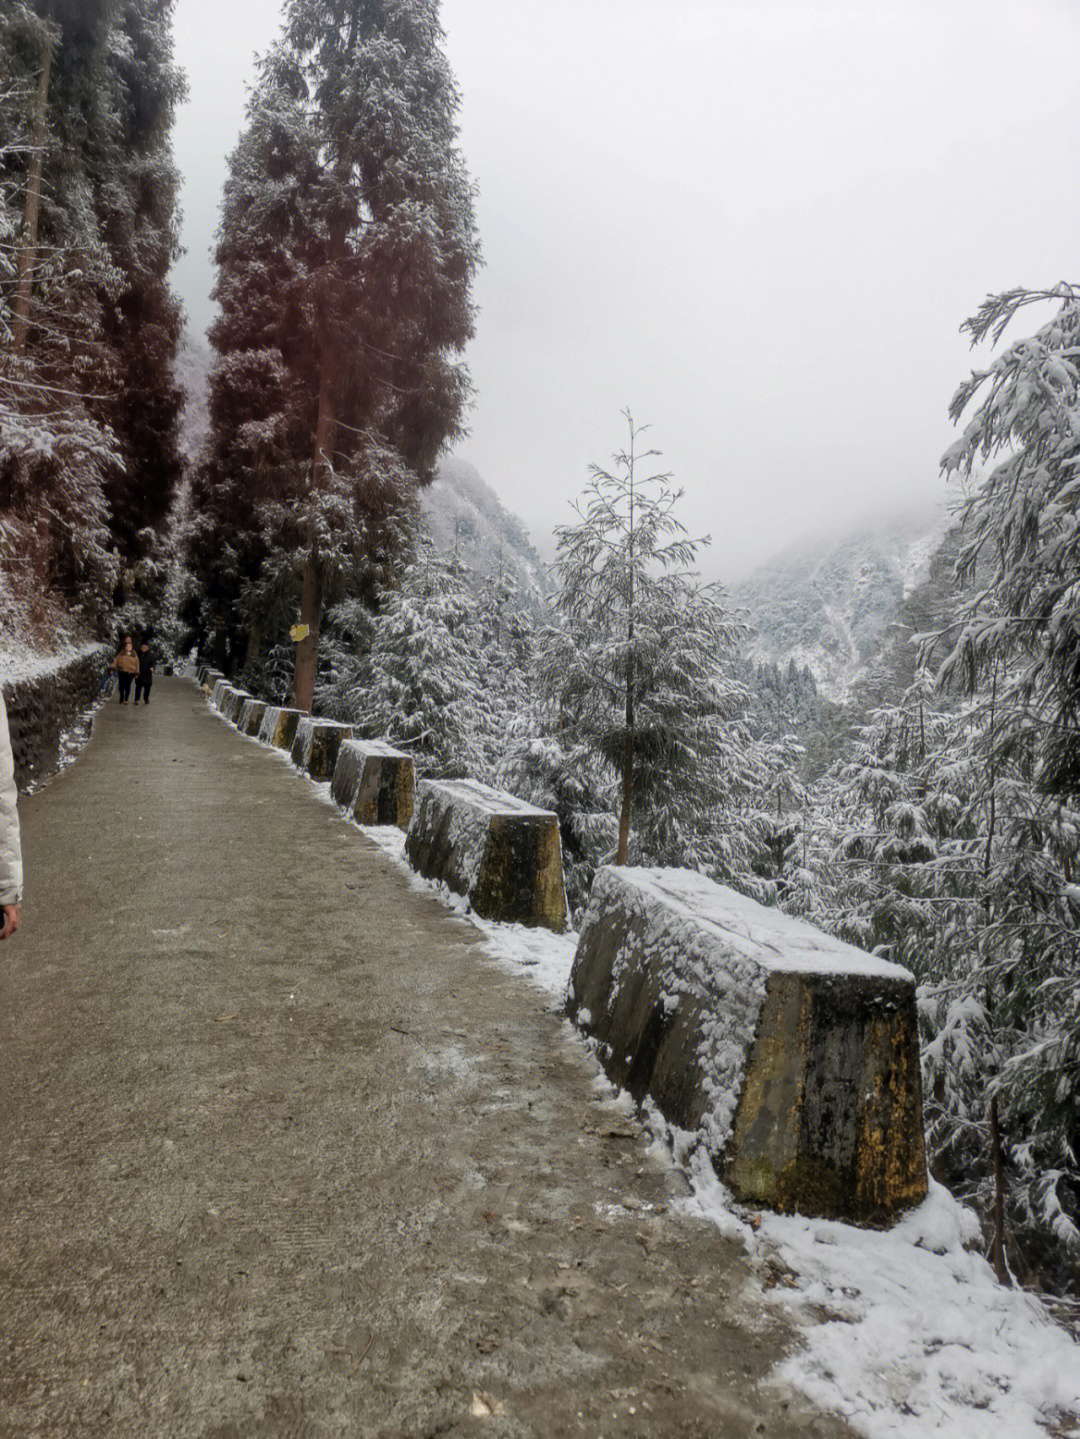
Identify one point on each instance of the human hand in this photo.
(12, 913)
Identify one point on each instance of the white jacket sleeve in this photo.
(10, 848)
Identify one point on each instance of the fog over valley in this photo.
(759, 226)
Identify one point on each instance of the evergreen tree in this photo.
(346, 256)
(640, 667)
(87, 202)
(1023, 520)
(424, 683)
(140, 316)
(55, 455)
(1016, 649)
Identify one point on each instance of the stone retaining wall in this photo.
(794, 1056)
(41, 707)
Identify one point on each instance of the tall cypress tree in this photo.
(141, 317)
(55, 455)
(346, 257)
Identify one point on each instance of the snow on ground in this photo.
(906, 1332)
(19, 662)
(909, 1334)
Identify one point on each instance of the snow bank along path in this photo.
(904, 1333)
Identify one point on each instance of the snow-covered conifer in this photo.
(346, 258)
(640, 667)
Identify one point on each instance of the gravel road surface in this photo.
(284, 1152)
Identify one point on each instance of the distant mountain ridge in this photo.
(828, 605)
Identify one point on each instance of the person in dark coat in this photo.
(145, 678)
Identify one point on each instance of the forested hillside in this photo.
(89, 404)
(829, 605)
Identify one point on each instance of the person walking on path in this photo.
(10, 849)
(126, 665)
(145, 678)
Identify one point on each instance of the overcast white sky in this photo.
(758, 225)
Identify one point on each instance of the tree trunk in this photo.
(627, 786)
(254, 642)
(311, 596)
(997, 1243)
(307, 651)
(26, 255)
(628, 750)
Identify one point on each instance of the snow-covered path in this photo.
(284, 1150)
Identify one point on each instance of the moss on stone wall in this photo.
(41, 708)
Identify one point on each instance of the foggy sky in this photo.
(758, 225)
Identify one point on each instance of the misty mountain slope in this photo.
(828, 605)
(459, 508)
(461, 511)
(193, 363)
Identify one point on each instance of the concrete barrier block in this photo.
(316, 744)
(230, 701)
(278, 727)
(250, 717)
(793, 1055)
(217, 685)
(374, 782)
(503, 854)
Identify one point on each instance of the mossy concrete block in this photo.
(217, 684)
(501, 853)
(374, 783)
(236, 706)
(250, 716)
(316, 744)
(229, 699)
(793, 1055)
(278, 727)
(210, 680)
(221, 692)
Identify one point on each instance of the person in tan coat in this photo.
(126, 665)
(10, 848)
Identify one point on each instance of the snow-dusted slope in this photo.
(461, 511)
(829, 605)
(192, 369)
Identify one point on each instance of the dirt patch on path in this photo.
(285, 1153)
